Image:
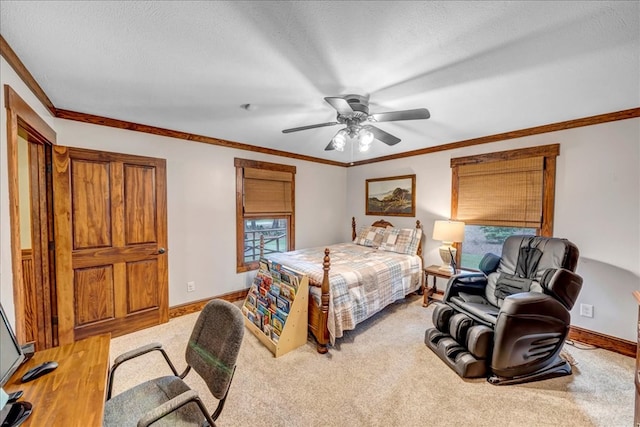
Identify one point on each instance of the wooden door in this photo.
(110, 242)
(39, 283)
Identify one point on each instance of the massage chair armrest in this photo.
(562, 284)
(534, 305)
(529, 332)
(473, 283)
(470, 283)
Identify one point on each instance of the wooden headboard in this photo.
(384, 224)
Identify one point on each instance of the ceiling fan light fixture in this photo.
(353, 111)
(365, 138)
(339, 140)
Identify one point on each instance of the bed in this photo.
(350, 282)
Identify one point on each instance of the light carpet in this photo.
(383, 374)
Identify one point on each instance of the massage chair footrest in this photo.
(457, 357)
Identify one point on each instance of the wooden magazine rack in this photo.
(277, 291)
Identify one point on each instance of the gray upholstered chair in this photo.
(509, 322)
(212, 352)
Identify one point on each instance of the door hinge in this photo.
(54, 320)
(48, 167)
(52, 245)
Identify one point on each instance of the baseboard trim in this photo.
(195, 306)
(617, 345)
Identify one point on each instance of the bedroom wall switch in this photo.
(586, 310)
(191, 286)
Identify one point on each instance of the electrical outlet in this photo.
(191, 286)
(586, 310)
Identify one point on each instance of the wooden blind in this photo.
(502, 193)
(267, 191)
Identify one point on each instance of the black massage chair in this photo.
(509, 322)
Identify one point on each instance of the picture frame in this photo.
(391, 196)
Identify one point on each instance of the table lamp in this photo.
(448, 232)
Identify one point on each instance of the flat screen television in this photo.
(11, 355)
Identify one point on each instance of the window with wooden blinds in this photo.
(514, 188)
(503, 193)
(267, 191)
(265, 210)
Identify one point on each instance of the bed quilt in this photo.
(363, 280)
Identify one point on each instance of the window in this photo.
(264, 208)
(501, 194)
(482, 239)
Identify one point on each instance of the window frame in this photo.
(240, 164)
(549, 152)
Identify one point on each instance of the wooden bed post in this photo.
(419, 226)
(353, 228)
(323, 332)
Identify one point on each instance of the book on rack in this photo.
(283, 304)
(277, 323)
(288, 292)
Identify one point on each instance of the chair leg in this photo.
(558, 368)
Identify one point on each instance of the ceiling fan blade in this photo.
(417, 114)
(340, 104)
(383, 136)
(329, 147)
(309, 127)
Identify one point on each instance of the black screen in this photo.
(10, 352)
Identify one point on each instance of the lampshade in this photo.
(448, 231)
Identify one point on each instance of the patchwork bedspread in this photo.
(362, 280)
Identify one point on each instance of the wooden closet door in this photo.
(111, 240)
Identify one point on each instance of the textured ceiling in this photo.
(480, 67)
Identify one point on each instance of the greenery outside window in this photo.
(265, 207)
(501, 194)
(482, 239)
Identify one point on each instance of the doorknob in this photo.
(161, 250)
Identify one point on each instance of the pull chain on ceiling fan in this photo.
(353, 111)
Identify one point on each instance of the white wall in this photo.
(597, 207)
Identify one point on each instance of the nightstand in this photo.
(431, 293)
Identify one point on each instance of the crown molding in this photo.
(10, 56)
(553, 127)
(122, 124)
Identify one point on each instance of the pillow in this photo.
(369, 236)
(401, 240)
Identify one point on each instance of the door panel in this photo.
(91, 204)
(140, 204)
(93, 289)
(141, 277)
(110, 224)
(30, 297)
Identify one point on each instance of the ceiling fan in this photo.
(353, 111)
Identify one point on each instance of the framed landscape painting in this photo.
(393, 196)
